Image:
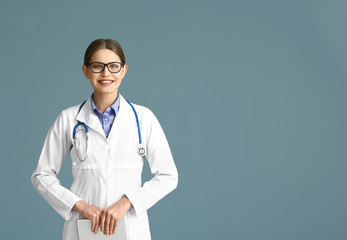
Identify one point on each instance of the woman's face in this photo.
(105, 82)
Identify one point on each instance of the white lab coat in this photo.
(112, 169)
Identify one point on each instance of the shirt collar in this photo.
(114, 106)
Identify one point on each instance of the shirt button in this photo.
(105, 119)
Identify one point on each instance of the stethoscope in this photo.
(140, 150)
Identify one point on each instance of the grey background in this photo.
(251, 95)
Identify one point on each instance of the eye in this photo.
(114, 65)
(97, 66)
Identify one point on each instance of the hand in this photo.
(91, 212)
(110, 216)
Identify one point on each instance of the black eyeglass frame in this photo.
(105, 64)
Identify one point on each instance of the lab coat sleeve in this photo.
(44, 178)
(162, 166)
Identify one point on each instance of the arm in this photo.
(161, 164)
(55, 149)
(164, 181)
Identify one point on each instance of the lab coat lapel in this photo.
(123, 117)
(87, 116)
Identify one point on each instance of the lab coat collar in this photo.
(87, 116)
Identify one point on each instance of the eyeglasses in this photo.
(98, 67)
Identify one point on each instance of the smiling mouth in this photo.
(105, 81)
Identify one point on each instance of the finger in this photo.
(97, 224)
(102, 222)
(115, 227)
(107, 223)
(111, 225)
(93, 223)
(100, 211)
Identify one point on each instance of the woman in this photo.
(108, 146)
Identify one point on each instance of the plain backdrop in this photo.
(251, 96)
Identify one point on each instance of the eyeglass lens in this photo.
(112, 67)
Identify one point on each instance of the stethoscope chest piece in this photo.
(141, 151)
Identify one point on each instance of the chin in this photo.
(106, 92)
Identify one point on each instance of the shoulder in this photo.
(65, 121)
(72, 110)
(143, 112)
(146, 118)
(69, 113)
(141, 109)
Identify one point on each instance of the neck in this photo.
(102, 102)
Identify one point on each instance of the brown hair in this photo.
(104, 44)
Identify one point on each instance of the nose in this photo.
(105, 71)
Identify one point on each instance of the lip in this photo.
(105, 84)
(105, 79)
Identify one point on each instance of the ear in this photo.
(84, 69)
(125, 69)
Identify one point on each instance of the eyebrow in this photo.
(106, 63)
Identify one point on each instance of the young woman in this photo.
(108, 139)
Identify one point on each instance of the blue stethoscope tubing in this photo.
(140, 151)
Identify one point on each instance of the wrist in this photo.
(78, 206)
(127, 202)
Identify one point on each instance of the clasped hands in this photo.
(107, 218)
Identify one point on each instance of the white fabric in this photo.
(112, 169)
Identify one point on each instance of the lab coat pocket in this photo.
(81, 143)
(70, 226)
(137, 227)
